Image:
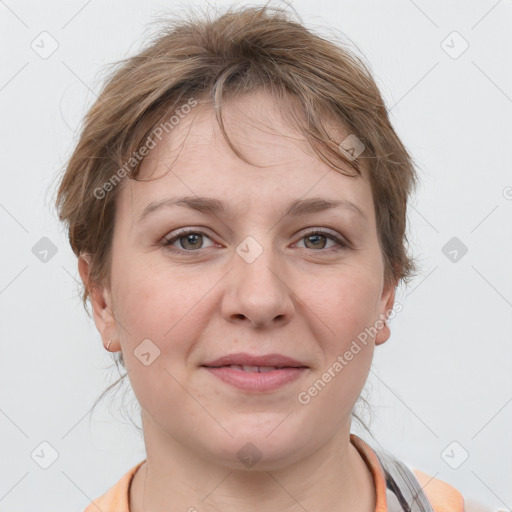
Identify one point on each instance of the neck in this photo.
(334, 477)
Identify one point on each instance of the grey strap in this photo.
(403, 483)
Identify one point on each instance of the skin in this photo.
(297, 298)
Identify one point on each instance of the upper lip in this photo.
(244, 359)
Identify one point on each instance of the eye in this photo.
(192, 240)
(314, 238)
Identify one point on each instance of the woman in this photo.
(237, 201)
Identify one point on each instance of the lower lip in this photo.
(256, 381)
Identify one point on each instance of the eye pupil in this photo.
(190, 239)
(316, 237)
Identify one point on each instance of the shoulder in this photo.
(443, 496)
(116, 499)
(446, 498)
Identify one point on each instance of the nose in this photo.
(258, 288)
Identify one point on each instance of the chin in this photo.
(262, 444)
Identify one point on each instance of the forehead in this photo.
(194, 158)
(254, 122)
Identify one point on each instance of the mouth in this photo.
(256, 373)
(259, 369)
(248, 362)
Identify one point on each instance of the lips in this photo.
(256, 374)
(252, 363)
(245, 368)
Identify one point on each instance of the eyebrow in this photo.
(217, 207)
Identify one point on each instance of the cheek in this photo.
(164, 306)
(160, 306)
(347, 302)
(348, 309)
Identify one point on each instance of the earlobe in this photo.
(388, 299)
(383, 334)
(101, 304)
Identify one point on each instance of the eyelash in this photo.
(168, 242)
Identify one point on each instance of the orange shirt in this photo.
(442, 496)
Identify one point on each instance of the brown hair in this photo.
(211, 60)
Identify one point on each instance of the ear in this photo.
(386, 305)
(101, 304)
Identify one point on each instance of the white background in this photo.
(444, 375)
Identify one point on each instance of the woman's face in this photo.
(248, 279)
